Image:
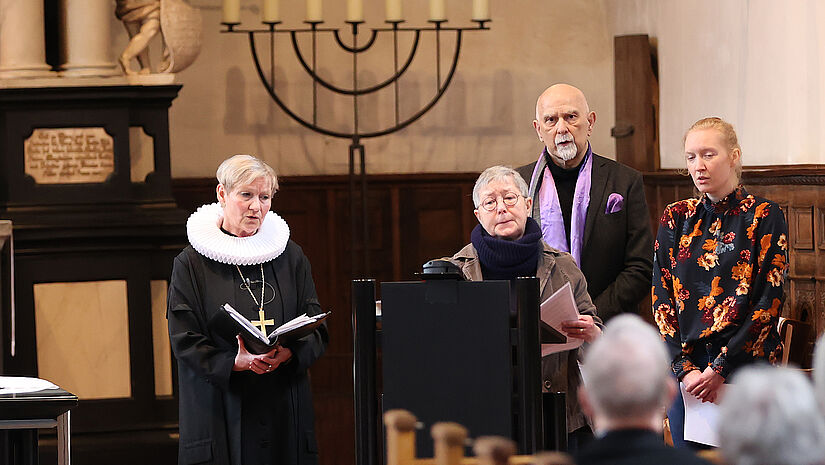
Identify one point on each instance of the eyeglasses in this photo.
(510, 199)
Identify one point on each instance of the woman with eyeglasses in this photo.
(507, 244)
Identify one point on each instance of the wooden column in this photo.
(637, 103)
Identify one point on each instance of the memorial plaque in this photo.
(69, 155)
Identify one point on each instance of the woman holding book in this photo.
(507, 244)
(718, 269)
(238, 407)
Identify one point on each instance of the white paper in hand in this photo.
(701, 419)
(561, 306)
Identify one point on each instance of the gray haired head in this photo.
(627, 370)
(819, 372)
(242, 169)
(769, 416)
(498, 173)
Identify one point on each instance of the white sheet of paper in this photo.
(20, 384)
(561, 306)
(701, 419)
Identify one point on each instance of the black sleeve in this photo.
(308, 349)
(187, 328)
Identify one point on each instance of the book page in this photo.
(252, 329)
(561, 306)
(296, 322)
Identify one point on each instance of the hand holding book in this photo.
(260, 363)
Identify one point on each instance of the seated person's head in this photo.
(627, 381)
(819, 372)
(769, 416)
(501, 202)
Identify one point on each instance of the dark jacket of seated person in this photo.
(634, 447)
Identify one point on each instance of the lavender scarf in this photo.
(550, 215)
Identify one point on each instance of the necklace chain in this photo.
(249, 287)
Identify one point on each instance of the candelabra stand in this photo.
(356, 148)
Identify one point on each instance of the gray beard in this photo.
(567, 153)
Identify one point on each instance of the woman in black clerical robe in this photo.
(237, 407)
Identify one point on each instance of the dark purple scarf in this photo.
(503, 259)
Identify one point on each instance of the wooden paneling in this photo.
(412, 219)
(800, 192)
(802, 224)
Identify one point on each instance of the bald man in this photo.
(589, 205)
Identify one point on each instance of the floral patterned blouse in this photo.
(718, 271)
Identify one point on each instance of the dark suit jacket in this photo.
(634, 447)
(617, 248)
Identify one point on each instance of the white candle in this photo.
(393, 8)
(315, 11)
(231, 11)
(271, 13)
(437, 10)
(355, 10)
(481, 10)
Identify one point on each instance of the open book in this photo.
(258, 343)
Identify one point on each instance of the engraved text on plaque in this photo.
(69, 155)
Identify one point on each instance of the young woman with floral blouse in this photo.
(719, 264)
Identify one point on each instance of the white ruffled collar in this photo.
(203, 229)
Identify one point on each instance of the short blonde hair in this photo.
(244, 169)
(728, 134)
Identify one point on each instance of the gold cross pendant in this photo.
(261, 324)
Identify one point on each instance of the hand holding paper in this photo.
(559, 310)
(701, 419)
(583, 328)
(704, 385)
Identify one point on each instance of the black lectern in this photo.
(451, 350)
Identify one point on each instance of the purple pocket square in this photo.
(615, 203)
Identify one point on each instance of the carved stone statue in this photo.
(180, 26)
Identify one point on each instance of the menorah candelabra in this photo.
(436, 25)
